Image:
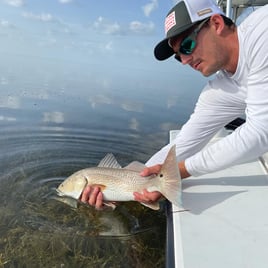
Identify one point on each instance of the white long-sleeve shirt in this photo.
(224, 99)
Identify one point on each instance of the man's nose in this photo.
(185, 59)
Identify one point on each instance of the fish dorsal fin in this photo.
(109, 161)
(135, 166)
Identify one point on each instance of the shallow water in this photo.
(61, 110)
(52, 125)
(45, 139)
(38, 230)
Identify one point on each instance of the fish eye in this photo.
(161, 175)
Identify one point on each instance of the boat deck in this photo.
(226, 224)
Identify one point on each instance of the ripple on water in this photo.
(38, 230)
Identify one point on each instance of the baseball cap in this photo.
(182, 17)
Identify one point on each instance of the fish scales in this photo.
(110, 180)
(118, 184)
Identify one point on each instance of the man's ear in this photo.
(217, 22)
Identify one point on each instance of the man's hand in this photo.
(145, 196)
(151, 170)
(92, 196)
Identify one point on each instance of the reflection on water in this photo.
(43, 140)
(62, 109)
(51, 127)
(38, 230)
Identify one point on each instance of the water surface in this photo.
(48, 134)
(71, 91)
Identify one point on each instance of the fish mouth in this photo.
(74, 195)
(60, 193)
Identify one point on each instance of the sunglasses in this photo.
(188, 44)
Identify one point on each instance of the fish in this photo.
(118, 183)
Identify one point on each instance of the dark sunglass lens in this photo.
(187, 46)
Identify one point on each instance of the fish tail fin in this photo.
(170, 179)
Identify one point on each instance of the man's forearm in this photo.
(183, 171)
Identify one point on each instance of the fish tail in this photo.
(170, 179)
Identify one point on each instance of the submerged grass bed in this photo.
(37, 230)
(58, 236)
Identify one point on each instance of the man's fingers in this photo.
(146, 197)
(93, 196)
(150, 170)
(138, 197)
(99, 201)
(85, 194)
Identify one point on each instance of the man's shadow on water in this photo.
(200, 194)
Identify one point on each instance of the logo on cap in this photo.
(170, 21)
(204, 12)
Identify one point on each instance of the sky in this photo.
(95, 38)
(101, 50)
(109, 35)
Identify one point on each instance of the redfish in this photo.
(118, 184)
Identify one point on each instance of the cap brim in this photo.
(162, 50)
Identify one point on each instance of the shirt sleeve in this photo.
(221, 101)
(215, 108)
(251, 139)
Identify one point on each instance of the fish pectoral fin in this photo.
(135, 166)
(154, 206)
(101, 186)
(67, 200)
(111, 205)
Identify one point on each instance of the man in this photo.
(198, 34)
